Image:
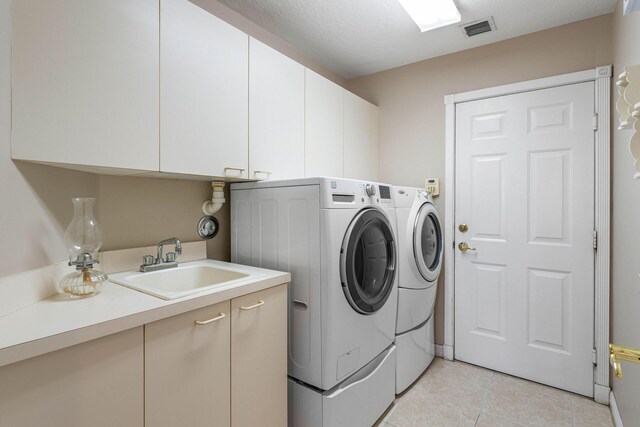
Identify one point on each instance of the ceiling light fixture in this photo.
(432, 14)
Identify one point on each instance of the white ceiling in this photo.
(359, 37)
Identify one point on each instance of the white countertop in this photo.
(60, 322)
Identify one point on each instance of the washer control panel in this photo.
(348, 193)
(370, 190)
(385, 192)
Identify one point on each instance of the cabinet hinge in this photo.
(595, 240)
(595, 357)
(595, 121)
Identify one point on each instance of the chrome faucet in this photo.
(149, 263)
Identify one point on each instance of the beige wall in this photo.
(35, 200)
(625, 279)
(137, 212)
(411, 98)
(32, 198)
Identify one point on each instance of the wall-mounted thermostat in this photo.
(432, 185)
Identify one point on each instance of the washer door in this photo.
(368, 261)
(427, 242)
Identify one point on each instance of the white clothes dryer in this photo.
(420, 247)
(337, 237)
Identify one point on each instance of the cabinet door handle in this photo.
(256, 173)
(206, 322)
(228, 168)
(251, 307)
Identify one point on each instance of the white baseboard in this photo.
(447, 352)
(615, 414)
(601, 394)
(439, 352)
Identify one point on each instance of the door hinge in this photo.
(595, 240)
(595, 121)
(595, 357)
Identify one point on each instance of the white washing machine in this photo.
(420, 260)
(337, 237)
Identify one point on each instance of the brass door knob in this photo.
(464, 247)
(463, 228)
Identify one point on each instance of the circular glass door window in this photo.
(368, 261)
(427, 242)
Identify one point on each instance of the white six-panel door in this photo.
(524, 291)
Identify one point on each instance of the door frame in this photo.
(601, 76)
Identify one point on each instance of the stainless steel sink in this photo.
(186, 279)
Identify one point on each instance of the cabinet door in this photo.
(259, 359)
(85, 83)
(360, 138)
(97, 383)
(187, 369)
(276, 114)
(323, 127)
(203, 93)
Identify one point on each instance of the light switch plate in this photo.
(432, 185)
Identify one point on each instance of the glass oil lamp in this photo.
(83, 239)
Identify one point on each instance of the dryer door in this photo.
(427, 242)
(368, 261)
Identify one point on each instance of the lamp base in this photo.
(82, 283)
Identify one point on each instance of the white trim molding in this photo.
(603, 224)
(444, 351)
(615, 413)
(449, 214)
(601, 76)
(601, 393)
(447, 352)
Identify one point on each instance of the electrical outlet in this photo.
(432, 185)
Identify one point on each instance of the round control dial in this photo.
(370, 190)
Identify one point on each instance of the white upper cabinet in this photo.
(123, 87)
(203, 93)
(360, 138)
(323, 127)
(276, 114)
(85, 82)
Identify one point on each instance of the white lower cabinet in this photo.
(97, 383)
(259, 359)
(187, 369)
(222, 365)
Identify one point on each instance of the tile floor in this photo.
(458, 394)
